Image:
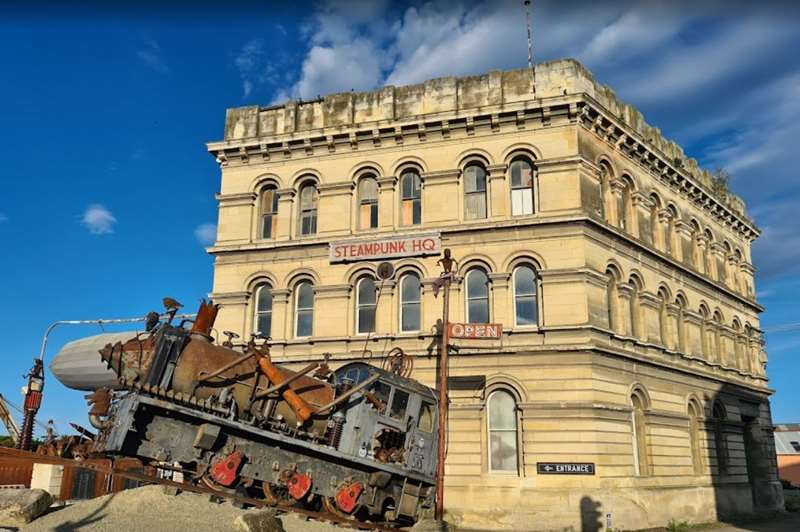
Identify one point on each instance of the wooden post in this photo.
(444, 349)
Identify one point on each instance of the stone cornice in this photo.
(336, 189)
(233, 200)
(441, 177)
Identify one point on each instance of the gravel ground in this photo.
(149, 509)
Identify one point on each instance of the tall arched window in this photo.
(624, 207)
(522, 177)
(525, 305)
(269, 211)
(410, 198)
(502, 425)
(705, 344)
(307, 222)
(695, 423)
(605, 178)
(368, 203)
(639, 426)
(612, 301)
(708, 257)
(657, 231)
(671, 243)
(697, 255)
(410, 303)
(719, 416)
(635, 308)
(663, 317)
(263, 310)
(304, 309)
(717, 353)
(681, 323)
(366, 305)
(477, 296)
(474, 192)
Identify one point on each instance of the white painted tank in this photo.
(78, 365)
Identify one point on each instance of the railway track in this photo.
(7, 454)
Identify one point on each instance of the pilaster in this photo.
(499, 192)
(386, 201)
(286, 224)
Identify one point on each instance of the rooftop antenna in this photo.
(527, 4)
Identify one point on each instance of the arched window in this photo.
(307, 222)
(474, 192)
(525, 306)
(639, 427)
(304, 309)
(605, 178)
(657, 230)
(366, 305)
(612, 301)
(635, 308)
(269, 211)
(737, 345)
(410, 303)
(624, 207)
(717, 353)
(502, 424)
(522, 176)
(708, 258)
(705, 344)
(719, 416)
(663, 317)
(697, 255)
(410, 198)
(671, 243)
(695, 423)
(681, 323)
(263, 310)
(477, 296)
(368, 203)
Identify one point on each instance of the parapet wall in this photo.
(451, 95)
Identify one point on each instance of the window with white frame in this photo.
(366, 305)
(477, 296)
(304, 309)
(525, 306)
(263, 310)
(410, 198)
(269, 211)
(474, 192)
(308, 209)
(368, 203)
(502, 425)
(410, 303)
(522, 176)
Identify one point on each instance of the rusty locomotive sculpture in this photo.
(358, 441)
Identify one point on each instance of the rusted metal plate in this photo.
(15, 472)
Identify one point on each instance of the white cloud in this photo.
(247, 62)
(98, 220)
(151, 56)
(206, 234)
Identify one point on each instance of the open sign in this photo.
(475, 330)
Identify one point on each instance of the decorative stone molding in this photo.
(230, 298)
(388, 182)
(497, 171)
(342, 188)
(246, 199)
(441, 177)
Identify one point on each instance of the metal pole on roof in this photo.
(527, 4)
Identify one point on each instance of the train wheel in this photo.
(276, 495)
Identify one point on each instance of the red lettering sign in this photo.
(385, 248)
(490, 331)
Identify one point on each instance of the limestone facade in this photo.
(622, 278)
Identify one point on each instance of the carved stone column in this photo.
(701, 253)
(732, 273)
(625, 292)
(386, 318)
(667, 242)
(286, 218)
(694, 333)
(501, 300)
(683, 249)
(651, 318)
(727, 349)
(641, 206)
(673, 328)
(281, 313)
(746, 273)
(499, 192)
(716, 261)
(387, 202)
(617, 190)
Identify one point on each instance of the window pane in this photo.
(503, 451)
(410, 320)
(477, 284)
(524, 281)
(475, 205)
(373, 216)
(474, 179)
(409, 288)
(305, 296)
(425, 419)
(366, 319)
(264, 325)
(266, 229)
(368, 189)
(264, 299)
(304, 322)
(521, 174)
(399, 404)
(478, 311)
(526, 310)
(410, 186)
(366, 291)
(417, 212)
(502, 411)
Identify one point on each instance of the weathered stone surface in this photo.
(19, 507)
(430, 525)
(258, 521)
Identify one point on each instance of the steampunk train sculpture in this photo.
(359, 441)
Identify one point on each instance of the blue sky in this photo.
(107, 195)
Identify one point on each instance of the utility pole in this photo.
(445, 279)
(527, 4)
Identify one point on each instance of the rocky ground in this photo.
(150, 509)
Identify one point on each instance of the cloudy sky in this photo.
(107, 193)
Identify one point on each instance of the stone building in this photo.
(621, 274)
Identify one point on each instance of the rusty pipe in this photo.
(300, 407)
(287, 382)
(347, 394)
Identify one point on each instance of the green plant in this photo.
(673, 526)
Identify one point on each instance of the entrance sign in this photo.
(390, 247)
(489, 331)
(565, 468)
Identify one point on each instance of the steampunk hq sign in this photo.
(565, 468)
(389, 247)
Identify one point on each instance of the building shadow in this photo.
(591, 516)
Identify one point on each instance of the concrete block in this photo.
(20, 507)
